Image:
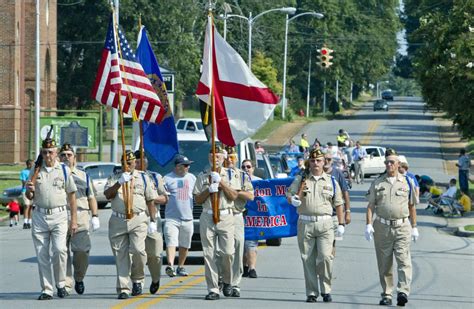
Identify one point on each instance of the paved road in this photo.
(443, 264)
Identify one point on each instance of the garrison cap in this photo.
(390, 152)
(316, 153)
(218, 149)
(129, 155)
(66, 147)
(48, 142)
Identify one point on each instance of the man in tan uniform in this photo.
(245, 193)
(154, 239)
(392, 198)
(222, 233)
(51, 190)
(315, 196)
(80, 242)
(127, 236)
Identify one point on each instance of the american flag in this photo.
(125, 74)
(183, 190)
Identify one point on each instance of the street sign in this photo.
(77, 131)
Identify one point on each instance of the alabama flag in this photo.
(242, 103)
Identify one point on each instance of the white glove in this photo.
(216, 178)
(95, 222)
(124, 178)
(295, 201)
(415, 234)
(214, 187)
(369, 232)
(152, 229)
(340, 230)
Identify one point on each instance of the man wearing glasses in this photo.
(51, 192)
(127, 236)
(392, 198)
(315, 194)
(179, 226)
(80, 242)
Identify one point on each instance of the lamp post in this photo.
(317, 15)
(250, 20)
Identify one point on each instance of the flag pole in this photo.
(214, 196)
(125, 168)
(142, 151)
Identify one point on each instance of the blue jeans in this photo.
(463, 180)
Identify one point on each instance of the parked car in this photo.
(381, 105)
(12, 193)
(387, 95)
(374, 163)
(99, 172)
(189, 125)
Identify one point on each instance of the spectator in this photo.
(24, 175)
(14, 209)
(316, 145)
(304, 145)
(465, 201)
(451, 192)
(358, 156)
(258, 147)
(179, 226)
(297, 169)
(464, 163)
(292, 147)
(425, 182)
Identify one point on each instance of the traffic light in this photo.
(324, 56)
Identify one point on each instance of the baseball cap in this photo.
(182, 160)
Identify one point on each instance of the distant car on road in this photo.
(99, 172)
(381, 105)
(387, 95)
(189, 125)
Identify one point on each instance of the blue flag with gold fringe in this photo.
(160, 140)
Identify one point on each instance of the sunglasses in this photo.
(185, 165)
(246, 166)
(66, 155)
(390, 162)
(45, 152)
(328, 159)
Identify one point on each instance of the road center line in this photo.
(170, 284)
(370, 131)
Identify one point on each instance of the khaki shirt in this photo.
(141, 195)
(158, 182)
(82, 194)
(391, 201)
(245, 184)
(51, 188)
(202, 184)
(318, 194)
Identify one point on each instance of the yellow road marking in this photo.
(170, 293)
(370, 131)
(176, 281)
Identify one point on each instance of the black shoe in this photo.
(25, 226)
(327, 298)
(246, 271)
(28, 225)
(11, 225)
(385, 301)
(212, 296)
(45, 296)
(252, 273)
(402, 299)
(79, 287)
(122, 295)
(137, 289)
(220, 284)
(311, 299)
(154, 287)
(235, 293)
(227, 290)
(62, 292)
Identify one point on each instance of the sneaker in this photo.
(252, 273)
(170, 271)
(246, 271)
(180, 271)
(25, 226)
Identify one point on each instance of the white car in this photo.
(374, 163)
(189, 125)
(99, 172)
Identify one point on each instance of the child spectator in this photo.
(14, 208)
(465, 201)
(451, 192)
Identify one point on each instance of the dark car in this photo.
(11, 193)
(381, 105)
(387, 95)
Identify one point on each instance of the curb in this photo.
(463, 233)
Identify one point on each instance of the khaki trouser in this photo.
(359, 171)
(153, 248)
(213, 237)
(46, 230)
(315, 242)
(393, 241)
(127, 237)
(238, 263)
(80, 245)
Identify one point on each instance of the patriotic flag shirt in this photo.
(180, 203)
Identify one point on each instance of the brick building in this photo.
(18, 73)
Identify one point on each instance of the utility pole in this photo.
(309, 84)
(324, 98)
